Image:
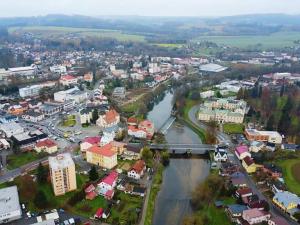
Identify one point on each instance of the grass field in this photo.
(233, 128)
(17, 160)
(276, 40)
(57, 32)
(166, 45)
(291, 168)
(70, 121)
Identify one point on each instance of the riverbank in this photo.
(155, 188)
(186, 120)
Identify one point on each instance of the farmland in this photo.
(276, 40)
(58, 32)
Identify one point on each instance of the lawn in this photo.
(276, 40)
(69, 121)
(291, 168)
(167, 45)
(57, 32)
(233, 128)
(17, 160)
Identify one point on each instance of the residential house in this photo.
(46, 145)
(286, 201)
(67, 80)
(256, 146)
(132, 121)
(272, 170)
(249, 165)
(137, 170)
(255, 216)
(88, 77)
(90, 192)
(89, 142)
(107, 184)
(148, 127)
(235, 211)
(133, 152)
(139, 191)
(238, 179)
(220, 154)
(136, 132)
(108, 119)
(102, 156)
(243, 192)
(118, 147)
(242, 152)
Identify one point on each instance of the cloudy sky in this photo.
(10, 8)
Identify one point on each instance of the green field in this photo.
(166, 45)
(291, 174)
(276, 40)
(57, 32)
(17, 160)
(233, 128)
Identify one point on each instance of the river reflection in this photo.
(182, 175)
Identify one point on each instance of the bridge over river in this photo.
(194, 149)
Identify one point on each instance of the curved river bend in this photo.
(182, 175)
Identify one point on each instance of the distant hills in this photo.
(165, 27)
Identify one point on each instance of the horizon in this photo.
(167, 8)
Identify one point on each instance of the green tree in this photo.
(282, 90)
(41, 200)
(95, 116)
(165, 158)
(93, 174)
(270, 123)
(41, 174)
(218, 94)
(147, 156)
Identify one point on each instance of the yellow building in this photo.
(118, 147)
(103, 156)
(47, 145)
(286, 200)
(62, 172)
(249, 165)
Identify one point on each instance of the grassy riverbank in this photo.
(186, 120)
(157, 181)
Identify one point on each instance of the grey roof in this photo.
(236, 208)
(46, 222)
(61, 161)
(9, 200)
(285, 198)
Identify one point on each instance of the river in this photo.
(182, 175)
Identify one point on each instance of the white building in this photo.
(10, 209)
(67, 80)
(71, 94)
(58, 69)
(28, 71)
(29, 91)
(207, 94)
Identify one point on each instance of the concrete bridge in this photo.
(194, 149)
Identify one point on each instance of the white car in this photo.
(28, 214)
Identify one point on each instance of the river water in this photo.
(182, 175)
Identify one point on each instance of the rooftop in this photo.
(61, 161)
(9, 200)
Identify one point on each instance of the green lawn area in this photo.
(17, 160)
(69, 121)
(276, 40)
(55, 32)
(217, 216)
(130, 108)
(291, 175)
(157, 180)
(233, 128)
(167, 45)
(127, 203)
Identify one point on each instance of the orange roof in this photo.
(105, 150)
(146, 123)
(132, 120)
(67, 77)
(139, 166)
(111, 116)
(46, 143)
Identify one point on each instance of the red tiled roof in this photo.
(244, 191)
(90, 188)
(46, 143)
(109, 194)
(111, 116)
(92, 140)
(111, 178)
(67, 77)
(132, 120)
(91, 195)
(138, 166)
(248, 161)
(99, 213)
(105, 150)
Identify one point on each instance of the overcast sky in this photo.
(10, 8)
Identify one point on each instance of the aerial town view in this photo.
(149, 113)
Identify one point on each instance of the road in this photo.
(233, 158)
